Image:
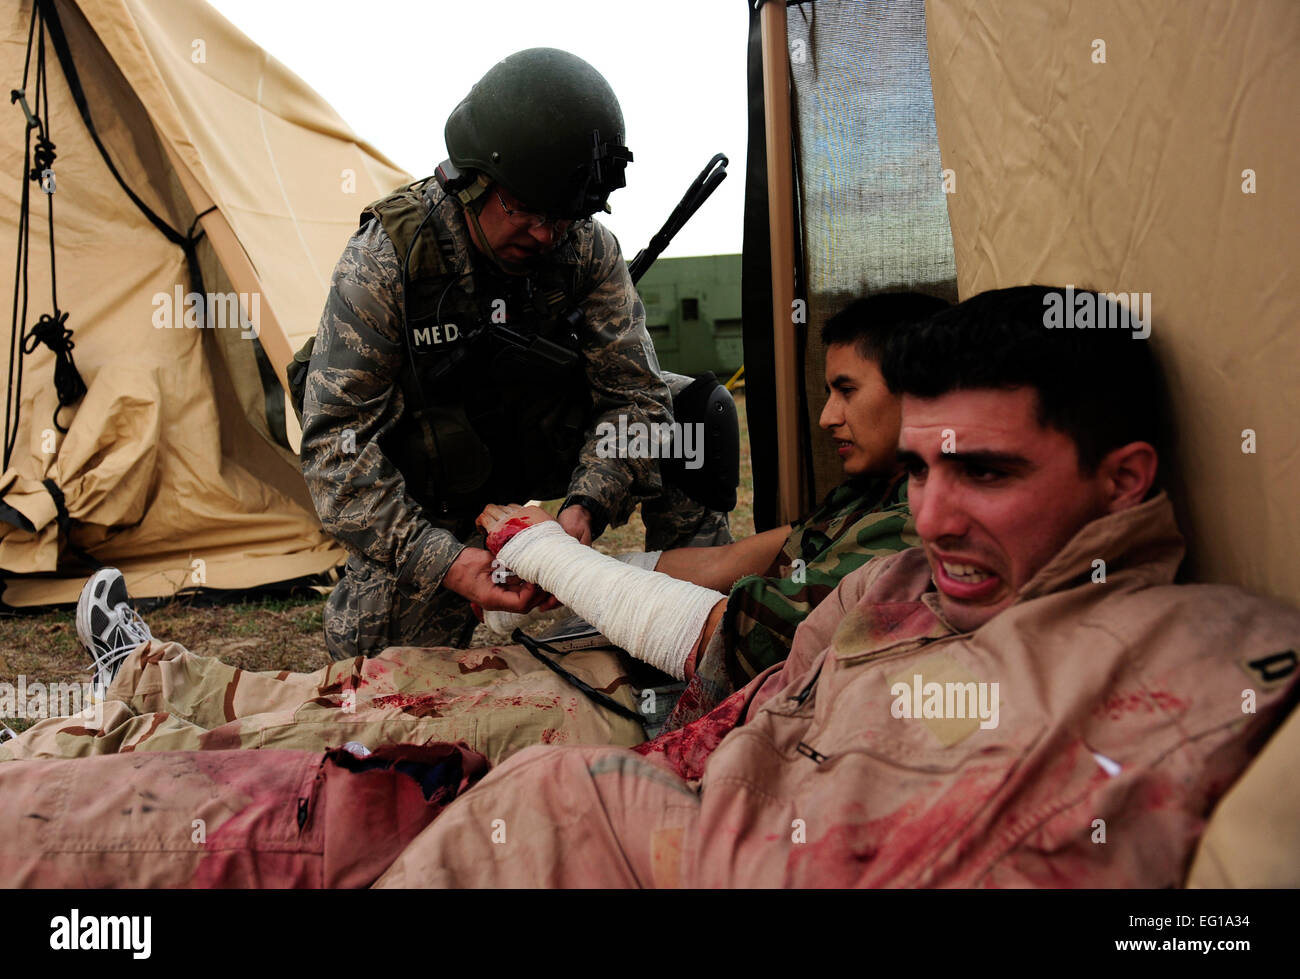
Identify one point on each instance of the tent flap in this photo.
(177, 464)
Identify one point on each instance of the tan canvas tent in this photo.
(178, 465)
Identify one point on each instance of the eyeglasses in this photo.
(531, 220)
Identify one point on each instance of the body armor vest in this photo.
(496, 398)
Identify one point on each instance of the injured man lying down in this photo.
(1025, 699)
(500, 700)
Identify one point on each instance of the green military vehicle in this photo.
(692, 310)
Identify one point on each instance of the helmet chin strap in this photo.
(471, 209)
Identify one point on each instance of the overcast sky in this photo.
(394, 70)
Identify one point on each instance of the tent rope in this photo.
(187, 242)
(68, 385)
(51, 328)
(272, 392)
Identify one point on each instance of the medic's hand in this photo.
(471, 576)
(576, 521)
(500, 523)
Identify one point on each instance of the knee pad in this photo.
(711, 478)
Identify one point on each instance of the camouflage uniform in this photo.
(357, 416)
(859, 520)
(496, 700)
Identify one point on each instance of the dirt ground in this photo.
(257, 634)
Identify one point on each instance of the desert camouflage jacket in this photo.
(354, 398)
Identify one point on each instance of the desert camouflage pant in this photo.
(369, 611)
(568, 817)
(496, 700)
(572, 817)
(222, 818)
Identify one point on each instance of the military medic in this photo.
(479, 327)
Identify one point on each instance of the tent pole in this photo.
(780, 195)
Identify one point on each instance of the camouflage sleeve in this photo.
(623, 371)
(352, 400)
(842, 535)
(767, 614)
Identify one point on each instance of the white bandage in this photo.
(504, 623)
(645, 560)
(654, 617)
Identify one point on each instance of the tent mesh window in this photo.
(872, 211)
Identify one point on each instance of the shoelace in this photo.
(127, 632)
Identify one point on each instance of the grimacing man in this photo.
(479, 327)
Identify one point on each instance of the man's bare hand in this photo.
(495, 517)
(498, 520)
(576, 521)
(471, 576)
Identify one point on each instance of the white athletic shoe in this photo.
(107, 625)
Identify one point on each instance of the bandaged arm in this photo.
(656, 618)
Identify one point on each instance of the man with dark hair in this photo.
(1092, 423)
(1096, 385)
(870, 323)
(775, 578)
(1025, 699)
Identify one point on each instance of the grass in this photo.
(259, 634)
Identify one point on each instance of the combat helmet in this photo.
(546, 125)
